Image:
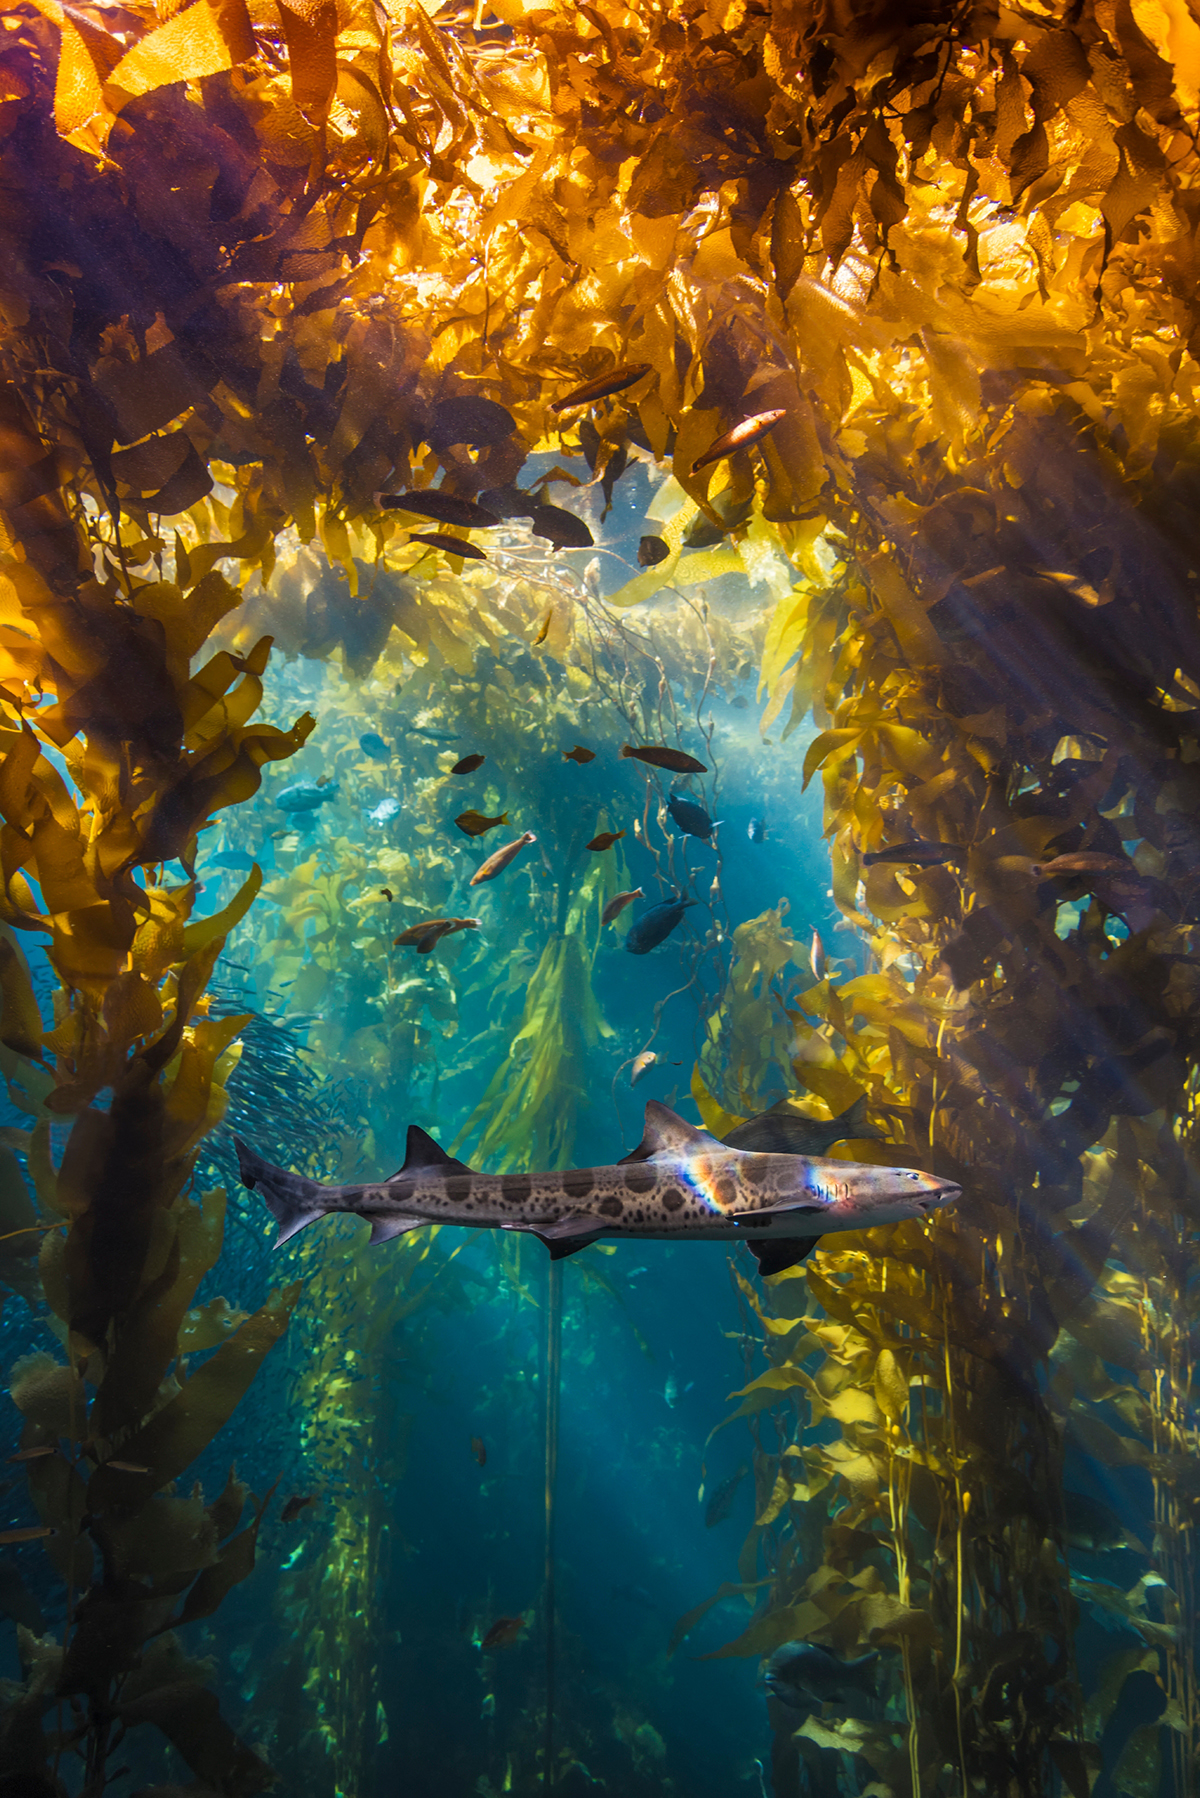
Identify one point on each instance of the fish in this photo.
(36, 1534)
(445, 508)
(660, 756)
(544, 628)
(305, 796)
(640, 1065)
(721, 1503)
(916, 854)
(323, 780)
(756, 830)
(602, 387)
(606, 839)
(387, 809)
(805, 1677)
(618, 902)
(678, 1185)
(126, 1466)
(691, 818)
(579, 754)
(388, 895)
(671, 1391)
(566, 530)
(297, 1503)
(1083, 861)
(496, 864)
(817, 959)
(651, 551)
(740, 703)
(468, 764)
(232, 858)
(637, 1595)
(474, 824)
(453, 546)
(655, 925)
(430, 931)
(34, 1454)
(1092, 1526)
(504, 1632)
(372, 744)
(750, 431)
(479, 1450)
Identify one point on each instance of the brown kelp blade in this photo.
(602, 387)
(444, 508)
(751, 430)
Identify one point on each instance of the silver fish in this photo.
(679, 1184)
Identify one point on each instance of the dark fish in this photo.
(479, 1450)
(504, 1632)
(637, 1595)
(372, 744)
(652, 551)
(655, 925)
(691, 818)
(916, 854)
(603, 387)
(474, 824)
(496, 864)
(1090, 1525)
(305, 796)
(617, 904)
(34, 1454)
(323, 780)
(446, 508)
(429, 932)
(721, 1502)
(1084, 861)
(564, 529)
(606, 839)
(232, 858)
(739, 702)
(297, 1503)
(388, 894)
(750, 430)
(756, 830)
(127, 1466)
(453, 546)
(468, 764)
(469, 418)
(659, 756)
(579, 754)
(805, 1677)
(781, 1131)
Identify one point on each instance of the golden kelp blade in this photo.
(602, 387)
(751, 430)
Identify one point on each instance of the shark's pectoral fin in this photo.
(383, 1229)
(559, 1247)
(765, 1214)
(781, 1252)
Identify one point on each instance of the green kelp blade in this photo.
(690, 1619)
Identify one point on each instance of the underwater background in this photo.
(408, 412)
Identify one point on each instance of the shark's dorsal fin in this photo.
(423, 1155)
(665, 1133)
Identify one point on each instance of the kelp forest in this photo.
(735, 465)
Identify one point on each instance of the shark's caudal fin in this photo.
(855, 1127)
(666, 1133)
(291, 1199)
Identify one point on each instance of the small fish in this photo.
(385, 811)
(756, 830)
(566, 530)
(817, 959)
(916, 854)
(691, 818)
(126, 1466)
(446, 508)
(671, 1391)
(1084, 861)
(388, 894)
(31, 1535)
(606, 839)
(602, 387)
(292, 1509)
(750, 430)
(323, 780)
(453, 546)
(544, 628)
(651, 551)
(721, 1502)
(305, 796)
(579, 754)
(655, 925)
(430, 931)
(372, 744)
(232, 858)
(468, 764)
(34, 1454)
(637, 1595)
(739, 702)
(479, 1450)
(805, 1677)
(639, 1065)
(474, 824)
(504, 1632)
(782, 1131)
(496, 864)
(1091, 1526)
(617, 904)
(659, 756)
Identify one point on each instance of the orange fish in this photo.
(504, 1632)
(579, 754)
(474, 824)
(750, 430)
(606, 839)
(479, 1450)
(496, 864)
(544, 628)
(616, 381)
(617, 905)
(429, 932)
(468, 764)
(659, 756)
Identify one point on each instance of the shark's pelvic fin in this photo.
(782, 1251)
(567, 1235)
(384, 1228)
(292, 1200)
(422, 1152)
(665, 1133)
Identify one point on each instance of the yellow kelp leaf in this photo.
(791, 1623)
(854, 1406)
(826, 745)
(20, 1020)
(779, 1496)
(776, 1379)
(207, 37)
(891, 1386)
(202, 931)
(713, 1116)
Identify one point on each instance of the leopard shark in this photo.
(679, 1184)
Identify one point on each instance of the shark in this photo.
(679, 1184)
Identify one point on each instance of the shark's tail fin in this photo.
(855, 1127)
(291, 1199)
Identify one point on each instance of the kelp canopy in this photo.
(261, 262)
